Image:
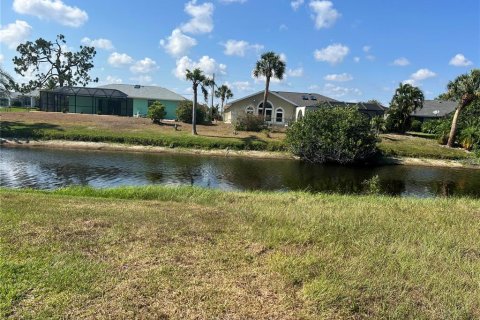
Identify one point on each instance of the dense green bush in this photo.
(184, 112)
(156, 112)
(250, 122)
(416, 125)
(378, 124)
(469, 137)
(338, 134)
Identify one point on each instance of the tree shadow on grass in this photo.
(18, 129)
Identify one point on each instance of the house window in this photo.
(249, 110)
(299, 115)
(268, 111)
(279, 115)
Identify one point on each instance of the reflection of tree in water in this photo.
(80, 174)
(392, 187)
(444, 188)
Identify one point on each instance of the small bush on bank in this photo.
(469, 137)
(184, 112)
(250, 122)
(416, 126)
(156, 112)
(339, 135)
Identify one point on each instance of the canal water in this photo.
(54, 168)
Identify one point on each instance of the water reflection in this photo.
(48, 169)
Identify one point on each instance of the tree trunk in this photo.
(221, 109)
(265, 98)
(194, 113)
(453, 129)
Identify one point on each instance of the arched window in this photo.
(299, 115)
(249, 110)
(279, 115)
(268, 111)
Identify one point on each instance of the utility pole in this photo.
(213, 94)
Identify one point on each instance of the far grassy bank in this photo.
(189, 253)
(132, 131)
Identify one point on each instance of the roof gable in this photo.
(296, 99)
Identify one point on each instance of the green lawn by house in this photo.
(188, 253)
(419, 147)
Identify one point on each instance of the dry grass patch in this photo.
(188, 253)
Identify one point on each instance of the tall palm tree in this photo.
(198, 79)
(465, 89)
(224, 93)
(270, 65)
(405, 101)
(6, 83)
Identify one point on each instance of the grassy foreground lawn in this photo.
(187, 253)
(81, 127)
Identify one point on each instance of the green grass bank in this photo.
(190, 253)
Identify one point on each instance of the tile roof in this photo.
(145, 92)
(431, 106)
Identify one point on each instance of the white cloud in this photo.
(370, 57)
(112, 79)
(298, 72)
(459, 60)
(206, 64)
(1, 58)
(178, 44)
(332, 54)
(283, 27)
(100, 43)
(146, 65)
(342, 77)
(422, 74)
(324, 13)
(366, 48)
(283, 57)
(142, 79)
(15, 33)
(119, 59)
(335, 91)
(240, 47)
(418, 76)
(54, 10)
(296, 4)
(402, 62)
(201, 21)
(411, 82)
(356, 59)
(232, 1)
(242, 86)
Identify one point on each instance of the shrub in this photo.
(156, 112)
(470, 137)
(184, 112)
(378, 124)
(250, 122)
(439, 127)
(416, 126)
(338, 134)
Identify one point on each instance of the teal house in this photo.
(112, 99)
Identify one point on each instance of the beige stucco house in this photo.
(285, 107)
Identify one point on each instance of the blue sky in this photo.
(348, 50)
